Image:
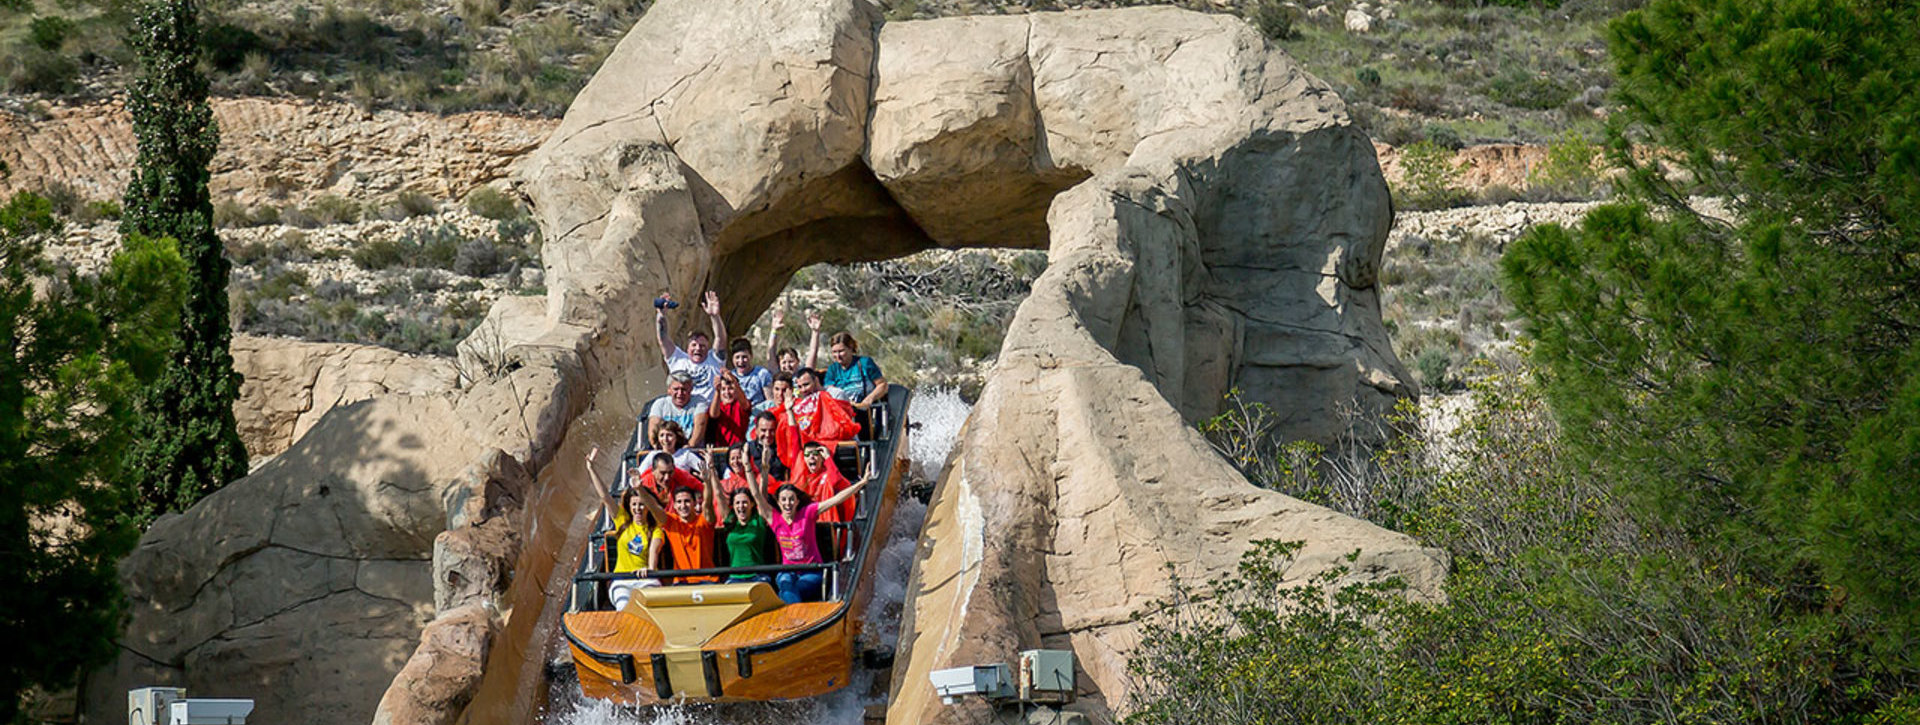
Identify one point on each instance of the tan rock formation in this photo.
(307, 585)
(441, 677)
(1230, 235)
(1480, 167)
(1223, 227)
(279, 151)
(289, 384)
(1218, 223)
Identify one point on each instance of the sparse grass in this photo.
(517, 56)
(432, 300)
(1490, 73)
(1571, 171)
(1430, 179)
(1453, 61)
(1442, 305)
(492, 203)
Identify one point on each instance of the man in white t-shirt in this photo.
(696, 361)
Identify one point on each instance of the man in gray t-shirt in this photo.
(698, 360)
(678, 406)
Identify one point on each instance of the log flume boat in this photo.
(739, 642)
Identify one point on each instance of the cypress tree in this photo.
(186, 443)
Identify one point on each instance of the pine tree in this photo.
(187, 444)
(73, 353)
(1757, 378)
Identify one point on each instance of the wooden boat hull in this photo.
(815, 656)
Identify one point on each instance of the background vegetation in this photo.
(1567, 603)
(1450, 71)
(934, 319)
(406, 275)
(413, 54)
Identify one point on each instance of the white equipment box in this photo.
(989, 681)
(1046, 675)
(211, 712)
(152, 705)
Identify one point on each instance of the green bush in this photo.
(1429, 178)
(1444, 136)
(32, 69)
(229, 214)
(494, 204)
(481, 258)
(413, 204)
(1532, 90)
(106, 209)
(1424, 99)
(1566, 605)
(49, 32)
(1274, 18)
(378, 254)
(229, 46)
(1432, 365)
(332, 209)
(439, 247)
(1571, 169)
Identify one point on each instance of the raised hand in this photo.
(813, 320)
(593, 455)
(779, 318)
(712, 303)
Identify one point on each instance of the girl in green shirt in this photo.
(747, 538)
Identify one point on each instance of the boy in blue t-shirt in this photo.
(754, 379)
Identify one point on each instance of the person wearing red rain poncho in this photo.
(812, 417)
(820, 479)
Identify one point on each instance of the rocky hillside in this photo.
(1453, 72)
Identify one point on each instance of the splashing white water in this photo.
(940, 414)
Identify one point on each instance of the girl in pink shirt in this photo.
(792, 519)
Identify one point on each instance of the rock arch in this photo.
(1212, 219)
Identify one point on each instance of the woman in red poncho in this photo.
(813, 417)
(728, 414)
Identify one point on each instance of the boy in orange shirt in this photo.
(689, 531)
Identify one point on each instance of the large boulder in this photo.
(1213, 221)
(306, 586)
(287, 385)
(1229, 235)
